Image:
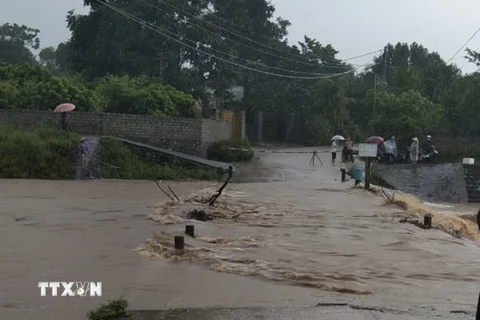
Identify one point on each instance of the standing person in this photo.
(427, 145)
(349, 151)
(64, 120)
(334, 151)
(414, 150)
(83, 149)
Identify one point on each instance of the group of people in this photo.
(415, 148)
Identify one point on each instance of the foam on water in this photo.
(324, 238)
(448, 221)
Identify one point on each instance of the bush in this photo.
(132, 165)
(143, 95)
(34, 87)
(230, 151)
(37, 154)
(109, 311)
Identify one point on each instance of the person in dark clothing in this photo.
(64, 121)
(428, 144)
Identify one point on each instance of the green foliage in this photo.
(230, 151)
(406, 115)
(133, 165)
(34, 87)
(31, 86)
(109, 311)
(16, 42)
(37, 154)
(144, 95)
(318, 130)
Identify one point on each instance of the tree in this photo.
(406, 115)
(32, 86)
(16, 42)
(143, 95)
(47, 58)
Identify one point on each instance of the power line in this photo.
(363, 55)
(466, 43)
(235, 56)
(468, 60)
(146, 25)
(240, 36)
(211, 12)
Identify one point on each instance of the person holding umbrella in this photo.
(64, 121)
(64, 109)
(335, 140)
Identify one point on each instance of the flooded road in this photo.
(300, 239)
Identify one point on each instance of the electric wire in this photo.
(155, 29)
(344, 66)
(248, 39)
(466, 43)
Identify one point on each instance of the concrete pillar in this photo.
(243, 119)
(258, 126)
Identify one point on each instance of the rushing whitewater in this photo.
(323, 235)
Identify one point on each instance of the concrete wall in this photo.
(192, 136)
(432, 183)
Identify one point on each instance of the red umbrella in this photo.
(375, 139)
(65, 107)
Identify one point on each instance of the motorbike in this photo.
(388, 154)
(347, 155)
(429, 156)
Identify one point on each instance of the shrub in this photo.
(109, 311)
(133, 165)
(39, 153)
(230, 151)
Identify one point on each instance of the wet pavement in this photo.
(313, 239)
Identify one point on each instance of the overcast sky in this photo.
(353, 27)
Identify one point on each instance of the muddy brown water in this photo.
(309, 239)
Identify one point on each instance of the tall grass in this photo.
(122, 162)
(38, 153)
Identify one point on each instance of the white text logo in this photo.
(71, 289)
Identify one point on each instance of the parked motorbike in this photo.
(347, 155)
(429, 156)
(387, 153)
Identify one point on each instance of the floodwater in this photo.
(299, 238)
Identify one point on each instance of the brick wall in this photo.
(192, 136)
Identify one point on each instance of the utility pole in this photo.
(160, 53)
(374, 102)
(385, 58)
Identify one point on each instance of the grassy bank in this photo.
(39, 153)
(45, 153)
(122, 162)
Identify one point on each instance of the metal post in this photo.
(344, 171)
(190, 231)
(179, 245)
(367, 173)
(427, 221)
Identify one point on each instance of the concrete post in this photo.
(258, 126)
